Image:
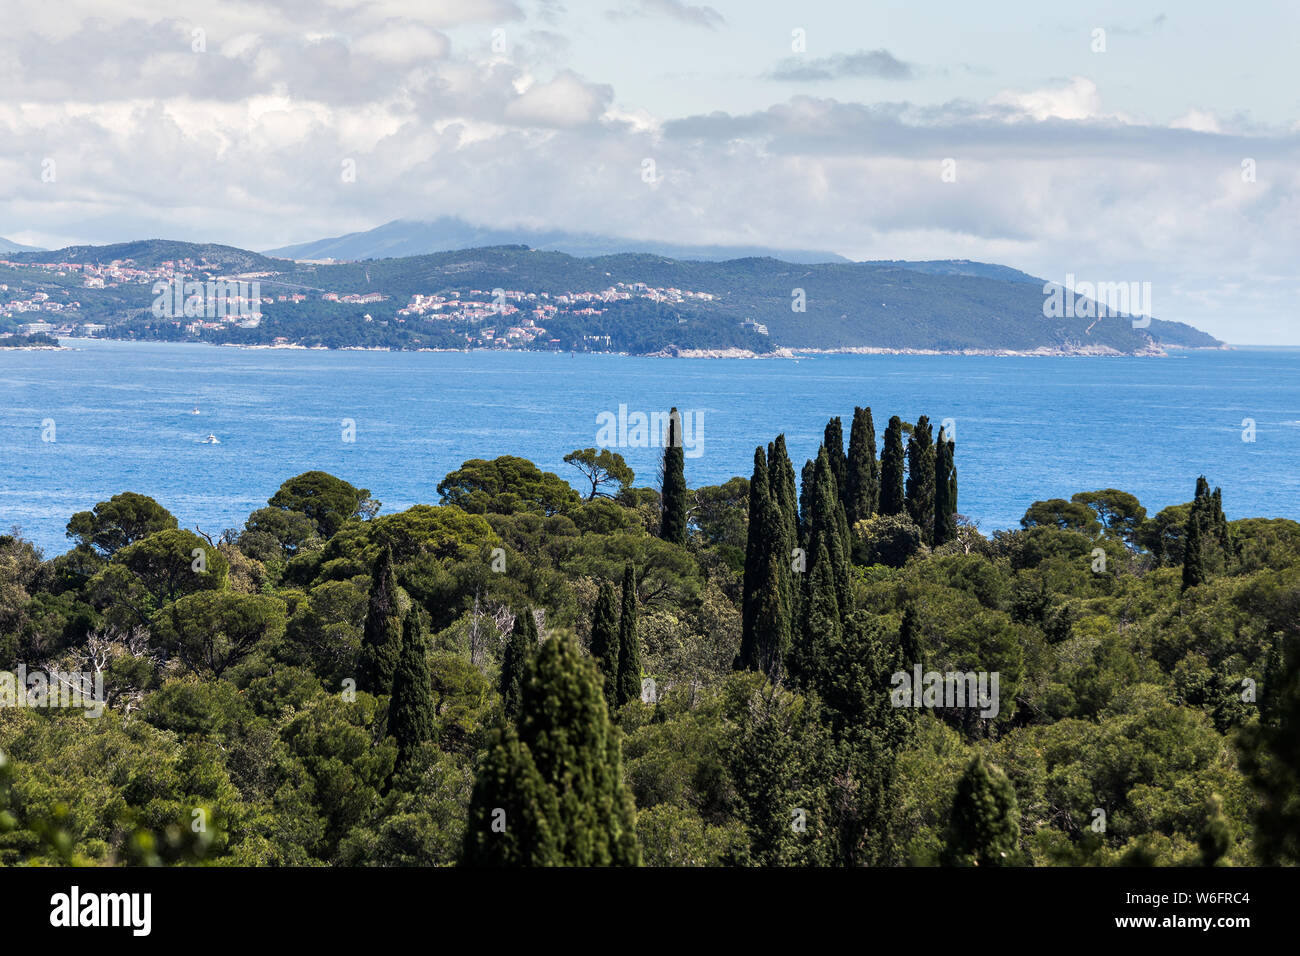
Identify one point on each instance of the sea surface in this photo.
(120, 416)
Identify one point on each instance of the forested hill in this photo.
(758, 304)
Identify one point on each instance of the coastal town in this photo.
(489, 318)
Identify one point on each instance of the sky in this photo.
(1111, 142)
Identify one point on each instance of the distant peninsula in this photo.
(516, 297)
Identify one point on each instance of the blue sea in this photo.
(120, 416)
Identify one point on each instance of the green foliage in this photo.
(554, 789)
(603, 467)
(381, 641)
(411, 713)
(506, 485)
(605, 645)
(628, 683)
(892, 489)
(985, 825)
(328, 501)
(122, 520)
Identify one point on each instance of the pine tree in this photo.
(863, 469)
(1193, 552)
(604, 641)
(519, 645)
(672, 521)
(411, 713)
(381, 636)
(920, 478)
(833, 442)
(984, 829)
(945, 490)
(553, 793)
(629, 643)
(892, 499)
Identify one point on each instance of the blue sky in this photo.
(233, 124)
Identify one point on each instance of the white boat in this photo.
(210, 440)
(194, 410)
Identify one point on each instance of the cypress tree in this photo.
(755, 559)
(892, 500)
(629, 643)
(863, 469)
(519, 645)
(807, 478)
(381, 636)
(411, 712)
(781, 480)
(828, 529)
(554, 789)
(920, 478)
(1193, 552)
(605, 641)
(833, 442)
(784, 537)
(945, 487)
(771, 641)
(820, 630)
(672, 520)
(984, 829)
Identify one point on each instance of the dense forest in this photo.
(823, 665)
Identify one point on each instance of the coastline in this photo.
(782, 352)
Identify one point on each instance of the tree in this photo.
(328, 501)
(514, 662)
(629, 643)
(863, 492)
(122, 520)
(757, 559)
(672, 523)
(411, 715)
(506, 485)
(1120, 513)
(381, 636)
(552, 793)
(920, 478)
(605, 641)
(833, 442)
(820, 632)
(211, 631)
(156, 570)
(827, 530)
(984, 829)
(1059, 513)
(945, 491)
(603, 467)
(721, 513)
(1193, 553)
(1270, 747)
(892, 498)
